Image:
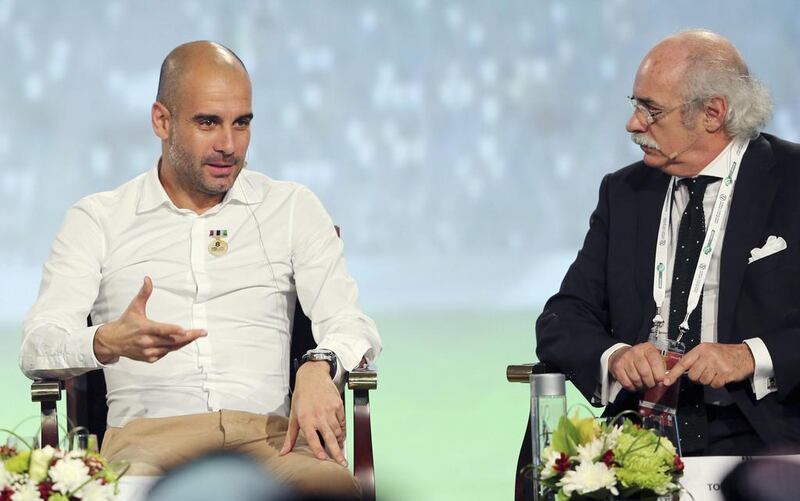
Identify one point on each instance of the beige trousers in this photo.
(154, 445)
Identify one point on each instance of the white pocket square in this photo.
(774, 244)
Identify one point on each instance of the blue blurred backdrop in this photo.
(459, 144)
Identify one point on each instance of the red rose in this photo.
(678, 464)
(5, 494)
(562, 463)
(608, 458)
(45, 489)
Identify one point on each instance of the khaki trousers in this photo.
(154, 445)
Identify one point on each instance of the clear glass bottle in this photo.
(548, 405)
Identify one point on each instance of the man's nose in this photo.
(635, 124)
(224, 141)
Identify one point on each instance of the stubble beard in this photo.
(189, 171)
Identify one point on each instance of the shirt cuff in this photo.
(93, 331)
(609, 387)
(763, 380)
(338, 378)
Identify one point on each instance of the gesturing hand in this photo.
(135, 336)
(317, 409)
(714, 364)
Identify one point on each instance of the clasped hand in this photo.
(641, 366)
(135, 336)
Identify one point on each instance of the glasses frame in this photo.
(650, 117)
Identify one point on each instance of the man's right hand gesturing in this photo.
(135, 336)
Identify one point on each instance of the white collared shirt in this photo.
(718, 168)
(281, 246)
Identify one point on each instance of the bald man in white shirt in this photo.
(190, 273)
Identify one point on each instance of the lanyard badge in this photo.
(721, 207)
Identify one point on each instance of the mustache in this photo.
(643, 139)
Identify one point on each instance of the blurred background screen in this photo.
(459, 145)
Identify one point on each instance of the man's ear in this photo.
(715, 110)
(160, 118)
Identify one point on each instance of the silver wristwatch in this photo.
(317, 355)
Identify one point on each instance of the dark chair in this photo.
(86, 402)
(523, 484)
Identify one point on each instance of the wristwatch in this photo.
(318, 355)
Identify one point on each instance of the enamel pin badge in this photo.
(218, 245)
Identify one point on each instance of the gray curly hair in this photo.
(716, 68)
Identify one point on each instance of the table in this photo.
(703, 475)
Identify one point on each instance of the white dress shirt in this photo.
(718, 168)
(281, 246)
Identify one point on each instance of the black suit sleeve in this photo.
(574, 330)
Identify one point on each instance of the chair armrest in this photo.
(521, 373)
(363, 377)
(47, 392)
(361, 380)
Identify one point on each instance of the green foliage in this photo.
(566, 438)
(18, 463)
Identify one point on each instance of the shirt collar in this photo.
(153, 194)
(719, 166)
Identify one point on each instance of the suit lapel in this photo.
(651, 200)
(752, 198)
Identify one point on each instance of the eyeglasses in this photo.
(650, 117)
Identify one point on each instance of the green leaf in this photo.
(566, 437)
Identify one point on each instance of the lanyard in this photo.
(721, 207)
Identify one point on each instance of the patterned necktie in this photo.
(691, 412)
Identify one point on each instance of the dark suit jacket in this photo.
(607, 294)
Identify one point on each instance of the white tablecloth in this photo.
(703, 475)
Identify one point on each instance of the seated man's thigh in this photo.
(154, 445)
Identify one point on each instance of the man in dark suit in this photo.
(699, 240)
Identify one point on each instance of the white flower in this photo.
(96, 491)
(68, 474)
(589, 477)
(29, 491)
(591, 451)
(5, 476)
(40, 462)
(612, 436)
(549, 457)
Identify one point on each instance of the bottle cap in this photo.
(551, 385)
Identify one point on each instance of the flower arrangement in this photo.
(51, 474)
(591, 460)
